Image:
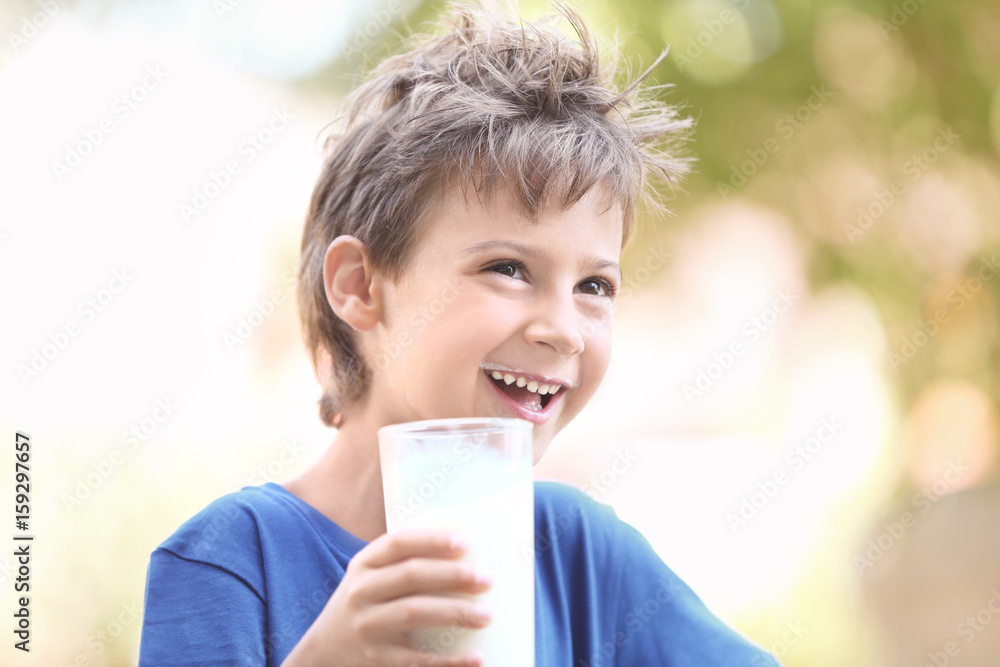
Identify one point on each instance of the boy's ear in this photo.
(347, 277)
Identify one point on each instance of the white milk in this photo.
(491, 503)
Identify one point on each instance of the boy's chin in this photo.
(540, 445)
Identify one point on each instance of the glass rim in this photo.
(454, 427)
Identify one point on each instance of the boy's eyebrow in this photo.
(529, 251)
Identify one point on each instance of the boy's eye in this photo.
(592, 286)
(597, 287)
(507, 268)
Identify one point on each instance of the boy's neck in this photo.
(346, 483)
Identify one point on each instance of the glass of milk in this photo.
(471, 476)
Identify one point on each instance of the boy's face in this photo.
(487, 293)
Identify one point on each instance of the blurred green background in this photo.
(807, 361)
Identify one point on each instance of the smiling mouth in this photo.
(528, 393)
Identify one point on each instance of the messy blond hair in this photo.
(498, 104)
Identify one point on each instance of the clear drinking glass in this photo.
(471, 476)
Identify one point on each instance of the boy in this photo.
(460, 259)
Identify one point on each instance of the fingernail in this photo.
(482, 613)
(483, 579)
(459, 543)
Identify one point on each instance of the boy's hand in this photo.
(388, 589)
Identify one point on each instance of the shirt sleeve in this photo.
(197, 613)
(661, 621)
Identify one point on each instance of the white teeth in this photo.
(532, 385)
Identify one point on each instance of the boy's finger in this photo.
(451, 614)
(423, 575)
(410, 543)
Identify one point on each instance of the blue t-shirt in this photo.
(241, 582)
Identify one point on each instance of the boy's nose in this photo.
(556, 323)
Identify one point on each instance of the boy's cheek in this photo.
(597, 338)
(597, 364)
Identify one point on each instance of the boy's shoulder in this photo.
(229, 522)
(566, 513)
(578, 539)
(558, 502)
(562, 498)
